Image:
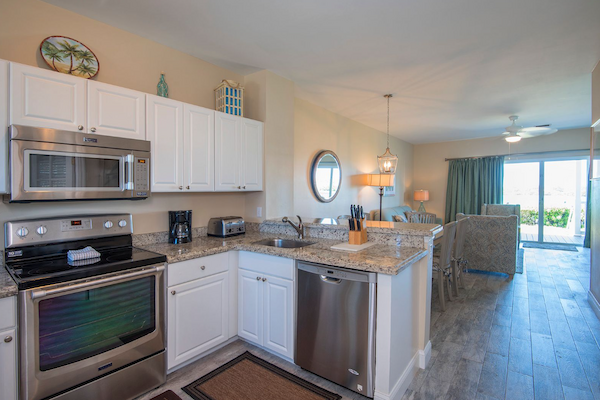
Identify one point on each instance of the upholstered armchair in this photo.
(491, 242)
(504, 210)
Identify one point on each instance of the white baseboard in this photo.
(425, 356)
(594, 303)
(404, 380)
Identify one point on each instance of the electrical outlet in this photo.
(259, 211)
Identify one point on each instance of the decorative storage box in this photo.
(229, 97)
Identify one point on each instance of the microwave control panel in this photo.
(141, 175)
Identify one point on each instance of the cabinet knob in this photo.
(264, 279)
(8, 339)
(258, 278)
(93, 129)
(187, 187)
(173, 292)
(243, 187)
(180, 187)
(80, 127)
(239, 187)
(203, 268)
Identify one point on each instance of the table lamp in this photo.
(421, 195)
(380, 180)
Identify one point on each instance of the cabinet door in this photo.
(165, 131)
(8, 365)
(3, 126)
(250, 306)
(279, 315)
(199, 149)
(252, 154)
(198, 317)
(227, 152)
(46, 99)
(116, 111)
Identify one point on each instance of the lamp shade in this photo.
(380, 180)
(421, 195)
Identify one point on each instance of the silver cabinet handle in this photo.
(92, 129)
(187, 187)
(80, 127)
(258, 278)
(180, 187)
(264, 279)
(8, 339)
(173, 292)
(203, 268)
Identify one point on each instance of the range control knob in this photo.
(22, 232)
(122, 223)
(108, 224)
(41, 230)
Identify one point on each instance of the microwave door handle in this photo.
(37, 294)
(129, 160)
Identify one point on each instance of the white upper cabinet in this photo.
(199, 145)
(228, 152)
(252, 154)
(115, 111)
(165, 132)
(238, 153)
(46, 99)
(3, 126)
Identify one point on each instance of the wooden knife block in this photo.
(358, 237)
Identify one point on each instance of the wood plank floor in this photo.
(534, 337)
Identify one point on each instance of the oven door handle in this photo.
(37, 294)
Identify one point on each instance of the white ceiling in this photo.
(457, 68)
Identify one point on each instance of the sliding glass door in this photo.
(552, 195)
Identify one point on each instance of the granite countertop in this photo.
(8, 287)
(401, 228)
(378, 258)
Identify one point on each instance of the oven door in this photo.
(52, 171)
(76, 332)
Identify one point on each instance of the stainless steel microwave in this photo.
(49, 164)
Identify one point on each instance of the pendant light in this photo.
(387, 162)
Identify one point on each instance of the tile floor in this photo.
(532, 337)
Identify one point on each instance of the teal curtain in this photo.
(473, 182)
(588, 216)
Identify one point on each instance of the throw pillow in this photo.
(399, 218)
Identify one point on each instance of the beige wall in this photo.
(431, 169)
(125, 60)
(272, 101)
(357, 147)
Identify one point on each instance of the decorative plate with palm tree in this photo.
(69, 56)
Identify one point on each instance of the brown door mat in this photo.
(248, 377)
(168, 395)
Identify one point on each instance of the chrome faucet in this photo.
(299, 228)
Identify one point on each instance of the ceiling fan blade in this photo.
(535, 131)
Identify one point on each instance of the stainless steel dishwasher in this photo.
(335, 326)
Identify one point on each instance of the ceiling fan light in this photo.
(513, 138)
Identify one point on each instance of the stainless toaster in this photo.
(226, 226)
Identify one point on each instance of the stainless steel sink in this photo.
(284, 243)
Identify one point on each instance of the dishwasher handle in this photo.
(329, 279)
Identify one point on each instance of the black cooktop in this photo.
(44, 265)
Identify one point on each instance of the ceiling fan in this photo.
(516, 132)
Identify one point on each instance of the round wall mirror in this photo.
(326, 176)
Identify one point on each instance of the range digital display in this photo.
(76, 223)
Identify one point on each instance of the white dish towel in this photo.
(83, 254)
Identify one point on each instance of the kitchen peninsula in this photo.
(401, 258)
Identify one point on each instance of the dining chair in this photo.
(443, 263)
(421, 217)
(458, 260)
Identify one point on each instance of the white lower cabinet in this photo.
(198, 310)
(266, 302)
(8, 349)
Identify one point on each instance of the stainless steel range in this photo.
(91, 328)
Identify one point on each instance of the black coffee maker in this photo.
(180, 226)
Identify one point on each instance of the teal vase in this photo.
(162, 89)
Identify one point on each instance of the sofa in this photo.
(387, 214)
(491, 242)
